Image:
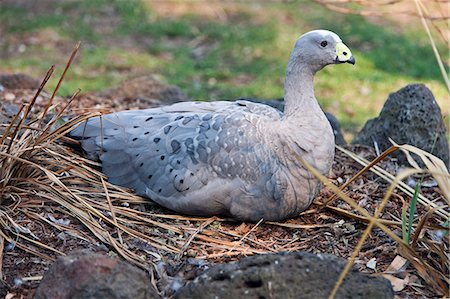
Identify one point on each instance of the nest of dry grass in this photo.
(53, 201)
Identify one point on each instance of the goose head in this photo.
(319, 48)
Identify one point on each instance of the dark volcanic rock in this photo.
(279, 104)
(86, 275)
(4, 290)
(409, 116)
(286, 275)
(336, 126)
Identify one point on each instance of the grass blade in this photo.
(412, 210)
(404, 232)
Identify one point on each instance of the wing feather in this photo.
(172, 153)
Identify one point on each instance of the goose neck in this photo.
(299, 90)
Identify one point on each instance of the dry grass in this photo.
(42, 177)
(437, 168)
(435, 278)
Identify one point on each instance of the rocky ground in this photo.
(185, 247)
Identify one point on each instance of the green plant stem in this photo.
(404, 231)
(412, 209)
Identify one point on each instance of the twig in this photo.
(192, 236)
(113, 214)
(61, 78)
(245, 236)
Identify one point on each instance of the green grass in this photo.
(16, 20)
(211, 58)
(405, 53)
(407, 224)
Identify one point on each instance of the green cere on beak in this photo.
(343, 54)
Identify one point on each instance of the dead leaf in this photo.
(397, 265)
(10, 296)
(398, 284)
(243, 229)
(372, 264)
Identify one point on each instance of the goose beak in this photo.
(343, 54)
(351, 60)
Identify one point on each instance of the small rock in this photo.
(87, 275)
(285, 275)
(9, 96)
(18, 81)
(409, 116)
(9, 109)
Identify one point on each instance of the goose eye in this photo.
(324, 43)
